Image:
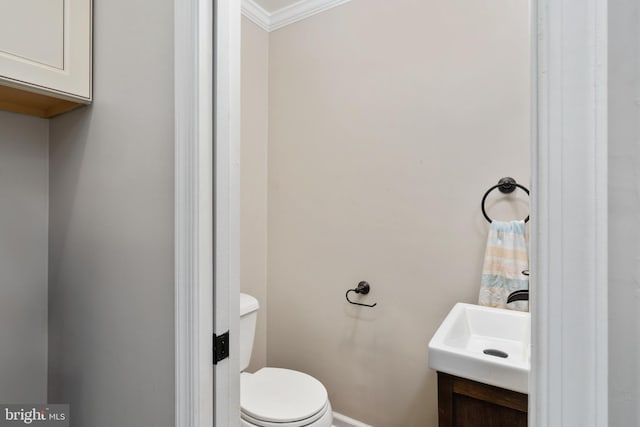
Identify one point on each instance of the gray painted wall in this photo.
(624, 214)
(23, 257)
(111, 304)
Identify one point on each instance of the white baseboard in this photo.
(340, 420)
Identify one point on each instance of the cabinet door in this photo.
(45, 45)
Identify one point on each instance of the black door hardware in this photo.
(362, 288)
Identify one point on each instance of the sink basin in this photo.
(472, 343)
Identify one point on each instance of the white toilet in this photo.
(274, 397)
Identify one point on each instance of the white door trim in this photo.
(197, 126)
(227, 207)
(193, 218)
(569, 242)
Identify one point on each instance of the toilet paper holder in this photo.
(362, 288)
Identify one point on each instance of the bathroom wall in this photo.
(387, 123)
(624, 211)
(253, 177)
(24, 187)
(111, 278)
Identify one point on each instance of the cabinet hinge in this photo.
(220, 347)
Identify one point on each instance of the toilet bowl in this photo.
(282, 397)
(276, 397)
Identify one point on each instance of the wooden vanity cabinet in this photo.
(466, 403)
(45, 55)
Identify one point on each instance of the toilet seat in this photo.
(275, 397)
(320, 417)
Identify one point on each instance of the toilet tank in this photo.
(248, 316)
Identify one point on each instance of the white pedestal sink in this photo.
(472, 343)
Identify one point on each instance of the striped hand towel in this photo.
(504, 261)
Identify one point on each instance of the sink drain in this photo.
(496, 353)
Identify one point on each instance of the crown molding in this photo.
(256, 14)
(271, 21)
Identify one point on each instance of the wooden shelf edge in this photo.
(34, 104)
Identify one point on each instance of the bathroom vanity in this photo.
(482, 357)
(466, 403)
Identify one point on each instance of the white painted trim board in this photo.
(195, 375)
(193, 201)
(569, 202)
(226, 289)
(340, 420)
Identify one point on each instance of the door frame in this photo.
(207, 272)
(569, 379)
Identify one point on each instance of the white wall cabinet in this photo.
(45, 55)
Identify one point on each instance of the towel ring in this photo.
(505, 185)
